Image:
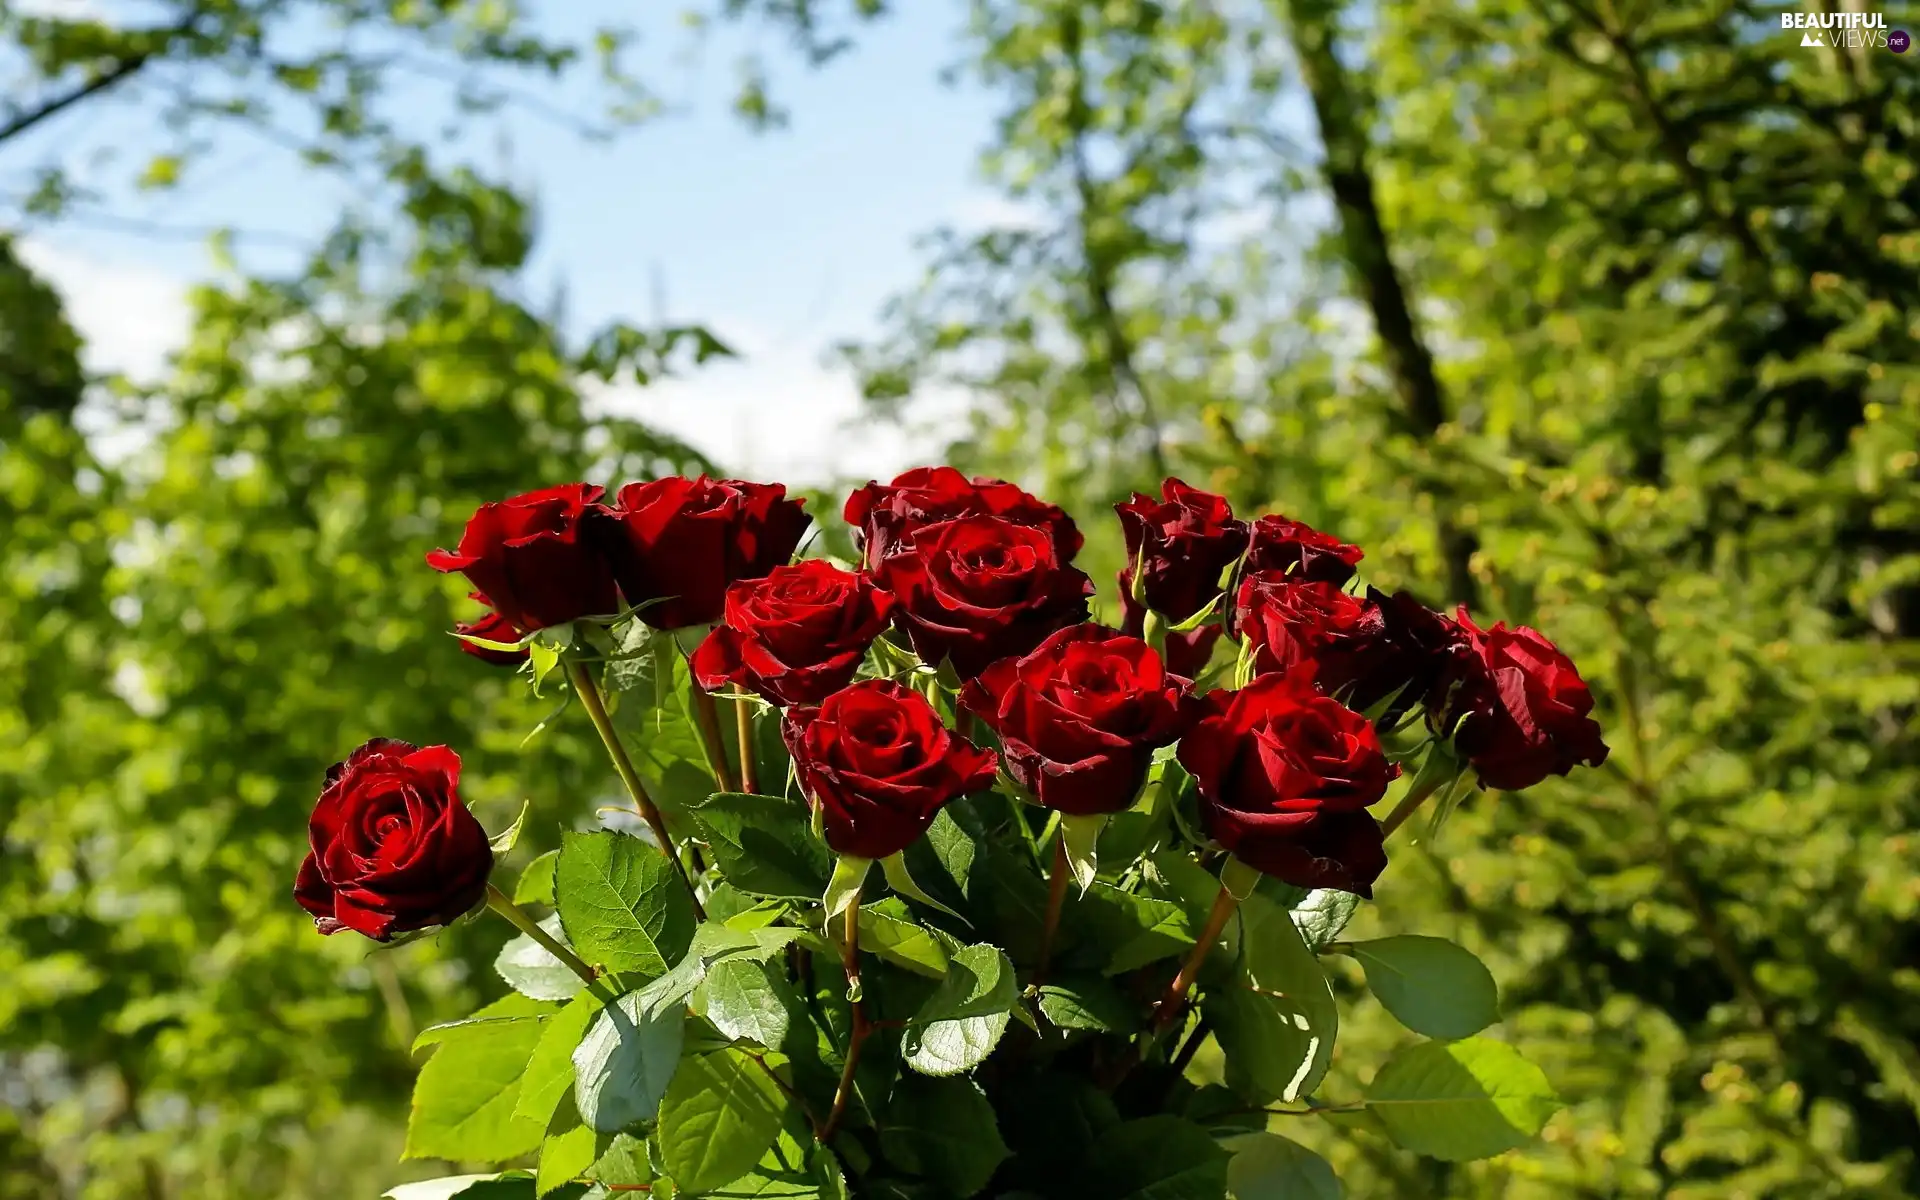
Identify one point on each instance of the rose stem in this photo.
(1056, 896)
(1224, 905)
(1423, 787)
(743, 726)
(498, 902)
(850, 959)
(589, 695)
(708, 718)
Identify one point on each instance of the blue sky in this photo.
(782, 242)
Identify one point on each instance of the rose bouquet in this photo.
(1098, 851)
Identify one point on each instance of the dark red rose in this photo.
(887, 515)
(683, 542)
(1415, 647)
(880, 765)
(1517, 707)
(1285, 775)
(495, 628)
(1183, 543)
(1289, 621)
(528, 556)
(982, 588)
(394, 848)
(1080, 717)
(1282, 544)
(796, 636)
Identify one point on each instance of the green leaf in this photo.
(901, 880)
(1266, 1166)
(444, 1188)
(622, 903)
(1430, 985)
(1087, 1002)
(961, 1023)
(944, 858)
(507, 1009)
(535, 885)
(889, 930)
(1158, 1158)
(530, 970)
(843, 888)
(654, 717)
(1461, 1101)
(464, 1097)
(550, 1071)
(624, 1161)
(623, 1064)
(721, 1114)
(1275, 1019)
(764, 846)
(943, 1129)
(566, 1154)
(1081, 836)
(1323, 915)
(745, 1002)
(1134, 930)
(504, 841)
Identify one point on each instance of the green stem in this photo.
(743, 727)
(707, 716)
(1056, 898)
(850, 960)
(498, 902)
(1171, 1005)
(583, 686)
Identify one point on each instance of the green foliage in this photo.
(621, 903)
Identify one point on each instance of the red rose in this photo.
(1279, 543)
(1080, 717)
(888, 514)
(982, 588)
(796, 636)
(495, 628)
(1182, 543)
(1412, 651)
(394, 848)
(880, 765)
(528, 557)
(1517, 708)
(683, 542)
(1289, 621)
(1285, 776)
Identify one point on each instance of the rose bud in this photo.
(682, 542)
(1285, 775)
(1517, 707)
(495, 628)
(796, 636)
(393, 847)
(1182, 545)
(887, 515)
(880, 765)
(1289, 621)
(1080, 717)
(527, 555)
(982, 588)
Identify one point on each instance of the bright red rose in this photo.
(683, 542)
(1080, 717)
(393, 847)
(982, 588)
(796, 636)
(529, 557)
(887, 515)
(495, 628)
(1517, 707)
(1285, 777)
(1289, 621)
(1183, 543)
(880, 765)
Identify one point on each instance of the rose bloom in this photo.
(887, 515)
(1289, 621)
(796, 636)
(394, 848)
(1285, 776)
(982, 588)
(879, 763)
(1182, 544)
(677, 544)
(1517, 707)
(1278, 543)
(529, 557)
(1080, 717)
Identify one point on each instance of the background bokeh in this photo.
(1597, 315)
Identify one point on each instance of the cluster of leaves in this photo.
(705, 1057)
